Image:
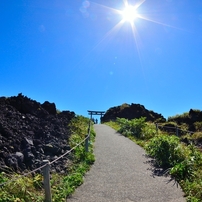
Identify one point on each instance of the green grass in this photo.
(30, 188)
(113, 124)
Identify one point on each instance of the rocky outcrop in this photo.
(189, 118)
(31, 132)
(131, 112)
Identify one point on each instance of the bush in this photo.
(149, 131)
(125, 126)
(183, 170)
(167, 150)
(198, 126)
(134, 127)
(179, 116)
(197, 137)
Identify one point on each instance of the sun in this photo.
(129, 13)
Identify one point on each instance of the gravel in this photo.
(121, 173)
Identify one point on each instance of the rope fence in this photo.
(176, 129)
(24, 175)
(46, 167)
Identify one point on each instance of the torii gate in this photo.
(91, 113)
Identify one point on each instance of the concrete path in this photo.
(121, 174)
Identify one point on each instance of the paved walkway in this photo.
(121, 174)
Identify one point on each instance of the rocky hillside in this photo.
(31, 132)
(193, 119)
(131, 112)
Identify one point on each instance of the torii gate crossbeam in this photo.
(91, 113)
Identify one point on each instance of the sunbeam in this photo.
(129, 14)
(160, 23)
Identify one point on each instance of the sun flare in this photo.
(129, 13)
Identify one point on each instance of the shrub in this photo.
(138, 126)
(188, 167)
(198, 126)
(197, 136)
(183, 170)
(149, 131)
(167, 150)
(125, 126)
(179, 116)
(134, 127)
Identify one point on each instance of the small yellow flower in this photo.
(17, 200)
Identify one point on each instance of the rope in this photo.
(175, 128)
(167, 127)
(33, 171)
(69, 151)
(24, 175)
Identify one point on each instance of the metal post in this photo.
(177, 131)
(86, 143)
(157, 128)
(46, 176)
(89, 129)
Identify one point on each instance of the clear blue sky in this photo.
(79, 55)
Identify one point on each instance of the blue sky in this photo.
(82, 56)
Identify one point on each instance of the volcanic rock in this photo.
(131, 112)
(31, 132)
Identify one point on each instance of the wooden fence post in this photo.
(86, 143)
(46, 176)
